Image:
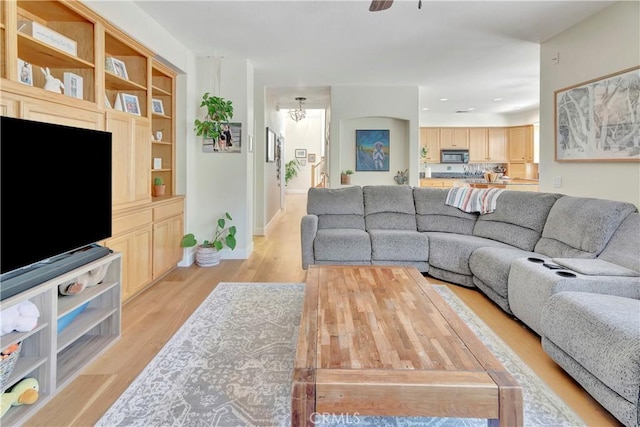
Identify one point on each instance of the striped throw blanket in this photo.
(468, 199)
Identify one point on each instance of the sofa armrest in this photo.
(308, 230)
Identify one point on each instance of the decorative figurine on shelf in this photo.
(51, 83)
(24, 392)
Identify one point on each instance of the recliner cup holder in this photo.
(536, 260)
(565, 274)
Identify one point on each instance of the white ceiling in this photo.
(467, 51)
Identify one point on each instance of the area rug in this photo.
(231, 363)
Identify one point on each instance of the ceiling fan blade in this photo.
(377, 5)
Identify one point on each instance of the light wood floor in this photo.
(151, 318)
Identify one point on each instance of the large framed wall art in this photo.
(598, 120)
(372, 150)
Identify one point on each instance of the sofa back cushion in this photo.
(337, 207)
(518, 220)
(389, 207)
(432, 214)
(624, 247)
(580, 227)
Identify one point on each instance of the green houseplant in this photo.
(158, 186)
(291, 169)
(207, 254)
(219, 112)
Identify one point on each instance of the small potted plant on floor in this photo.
(158, 186)
(345, 177)
(208, 253)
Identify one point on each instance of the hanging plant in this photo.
(219, 112)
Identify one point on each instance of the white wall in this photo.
(307, 134)
(374, 107)
(603, 44)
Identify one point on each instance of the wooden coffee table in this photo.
(379, 340)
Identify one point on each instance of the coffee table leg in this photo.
(303, 403)
(510, 401)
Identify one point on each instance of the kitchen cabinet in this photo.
(478, 145)
(520, 143)
(454, 138)
(497, 145)
(438, 183)
(430, 138)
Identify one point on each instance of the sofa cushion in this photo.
(451, 252)
(580, 227)
(623, 249)
(342, 245)
(601, 333)
(518, 219)
(337, 208)
(492, 265)
(389, 207)
(433, 215)
(399, 245)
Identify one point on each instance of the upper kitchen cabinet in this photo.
(127, 71)
(520, 143)
(430, 139)
(60, 36)
(454, 138)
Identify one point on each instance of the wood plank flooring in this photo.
(151, 318)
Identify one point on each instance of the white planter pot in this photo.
(207, 257)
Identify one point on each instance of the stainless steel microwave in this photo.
(454, 156)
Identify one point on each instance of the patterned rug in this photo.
(231, 363)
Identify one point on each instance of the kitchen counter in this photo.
(507, 184)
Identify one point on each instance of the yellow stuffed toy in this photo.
(24, 392)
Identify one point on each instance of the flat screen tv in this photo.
(55, 198)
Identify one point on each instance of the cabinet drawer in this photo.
(167, 211)
(125, 223)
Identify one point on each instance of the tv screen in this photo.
(55, 190)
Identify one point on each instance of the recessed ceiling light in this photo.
(497, 99)
(470, 109)
(425, 109)
(444, 99)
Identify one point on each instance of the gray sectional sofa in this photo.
(558, 263)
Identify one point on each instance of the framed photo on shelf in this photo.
(271, 145)
(158, 108)
(301, 153)
(25, 72)
(107, 103)
(372, 150)
(594, 119)
(128, 103)
(311, 157)
(73, 85)
(117, 67)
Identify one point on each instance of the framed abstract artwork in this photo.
(372, 150)
(597, 120)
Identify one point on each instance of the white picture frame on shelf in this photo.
(128, 103)
(73, 85)
(25, 72)
(117, 67)
(157, 106)
(107, 103)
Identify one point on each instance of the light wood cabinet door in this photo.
(516, 145)
(131, 159)
(454, 138)
(478, 145)
(167, 252)
(430, 138)
(60, 114)
(528, 144)
(497, 145)
(136, 259)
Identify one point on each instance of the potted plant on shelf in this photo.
(345, 177)
(208, 253)
(158, 186)
(219, 112)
